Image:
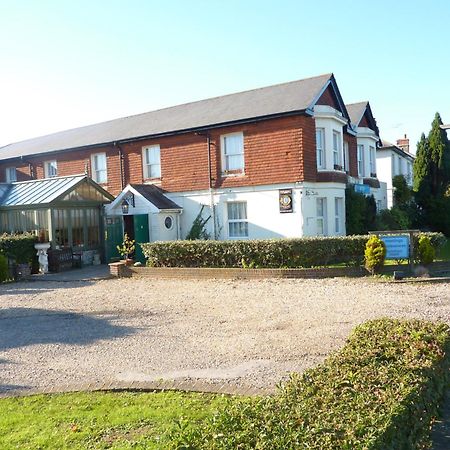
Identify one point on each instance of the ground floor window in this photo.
(237, 219)
(338, 214)
(321, 216)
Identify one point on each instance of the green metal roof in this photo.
(48, 190)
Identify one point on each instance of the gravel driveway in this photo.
(237, 332)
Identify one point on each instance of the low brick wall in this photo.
(120, 270)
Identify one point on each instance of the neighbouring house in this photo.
(265, 163)
(392, 160)
(368, 142)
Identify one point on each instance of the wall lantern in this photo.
(125, 207)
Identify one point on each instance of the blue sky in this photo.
(65, 64)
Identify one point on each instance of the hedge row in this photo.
(18, 247)
(273, 253)
(381, 391)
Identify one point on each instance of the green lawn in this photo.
(99, 420)
(444, 251)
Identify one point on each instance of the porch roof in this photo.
(45, 191)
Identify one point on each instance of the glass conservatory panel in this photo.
(77, 219)
(92, 221)
(85, 192)
(61, 226)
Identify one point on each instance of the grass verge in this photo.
(380, 391)
(99, 420)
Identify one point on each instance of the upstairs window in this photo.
(320, 147)
(373, 166)
(99, 171)
(151, 156)
(50, 169)
(360, 155)
(11, 174)
(232, 153)
(237, 219)
(337, 160)
(346, 158)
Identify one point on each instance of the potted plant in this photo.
(126, 250)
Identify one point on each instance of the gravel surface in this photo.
(250, 333)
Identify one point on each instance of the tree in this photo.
(432, 178)
(402, 192)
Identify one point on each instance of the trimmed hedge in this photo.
(273, 253)
(381, 391)
(18, 247)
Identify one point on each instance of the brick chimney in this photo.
(403, 144)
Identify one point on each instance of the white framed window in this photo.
(232, 146)
(321, 216)
(409, 172)
(11, 174)
(338, 215)
(360, 155)
(50, 169)
(337, 160)
(151, 156)
(378, 205)
(373, 165)
(400, 168)
(99, 170)
(346, 158)
(237, 219)
(320, 147)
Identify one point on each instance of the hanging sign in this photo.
(285, 200)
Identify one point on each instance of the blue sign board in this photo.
(362, 188)
(397, 247)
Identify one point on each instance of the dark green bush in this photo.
(379, 392)
(18, 247)
(4, 272)
(273, 253)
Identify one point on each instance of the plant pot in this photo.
(42, 245)
(128, 261)
(22, 271)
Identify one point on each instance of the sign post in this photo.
(399, 244)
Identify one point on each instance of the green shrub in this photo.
(19, 247)
(379, 392)
(374, 255)
(273, 253)
(425, 251)
(4, 272)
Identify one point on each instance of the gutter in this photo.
(122, 171)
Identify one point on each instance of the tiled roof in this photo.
(295, 96)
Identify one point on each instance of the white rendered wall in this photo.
(264, 218)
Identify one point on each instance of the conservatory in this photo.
(65, 211)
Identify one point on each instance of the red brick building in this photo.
(270, 162)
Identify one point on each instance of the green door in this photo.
(113, 237)
(140, 235)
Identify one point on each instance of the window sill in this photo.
(232, 174)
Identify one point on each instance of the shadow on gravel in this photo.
(21, 327)
(39, 287)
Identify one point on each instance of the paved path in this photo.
(441, 430)
(88, 273)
